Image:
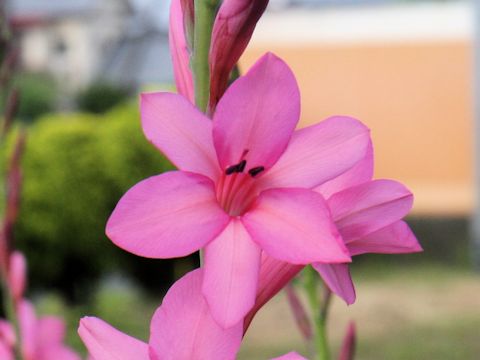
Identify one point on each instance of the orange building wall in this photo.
(417, 100)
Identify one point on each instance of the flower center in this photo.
(236, 187)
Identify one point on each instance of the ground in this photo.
(422, 312)
(402, 312)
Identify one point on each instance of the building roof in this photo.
(142, 54)
(49, 8)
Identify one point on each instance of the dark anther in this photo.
(241, 165)
(256, 170)
(238, 168)
(231, 169)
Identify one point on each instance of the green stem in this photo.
(321, 341)
(319, 310)
(205, 11)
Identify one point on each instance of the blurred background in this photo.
(405, 68)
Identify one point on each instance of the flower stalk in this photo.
(319, 314)
(205, 12)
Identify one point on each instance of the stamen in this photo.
(231, 169)
(256, 170)
(238, 168)
(241, 166)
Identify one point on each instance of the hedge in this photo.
(76, 167)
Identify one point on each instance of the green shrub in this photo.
(100, 97)
(75, 170)
(37, 96)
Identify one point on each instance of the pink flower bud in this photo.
(180, 50)
(299, 313)
(17, 274)
(188, 10)
(232, 30)
(349, 341)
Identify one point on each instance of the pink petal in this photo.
(180, 131)
(295, 225)
(165, 216)
(17, 274)
(319, 153)
(59, 352)
(232, 30)
(256, 117)
(368, 207)
(360, 173)
(232, 264)
(338, 279)
(51, 330)
(180, 52)
(183, 328)
(28, 329)
(274, 275)
(104, 342)
(290, 356)
(397, 238)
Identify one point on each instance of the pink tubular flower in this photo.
(368, 216)
(181, 328)
(232, 30)
(244, 185)
(42, 339)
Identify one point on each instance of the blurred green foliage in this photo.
(100, 97)
(37, 95)
(76, 168)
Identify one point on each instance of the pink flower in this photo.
(368, 216)
(232, 30)
(244, 185)
(181, 328)
(42, 339)
(290, 356)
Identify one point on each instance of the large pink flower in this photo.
(368, 214)
(181, 328)
(244, 185)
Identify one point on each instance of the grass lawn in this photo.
(402, 312)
